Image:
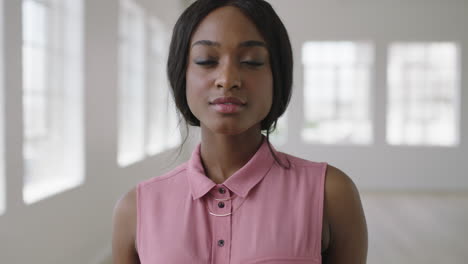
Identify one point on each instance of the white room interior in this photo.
(402, 185)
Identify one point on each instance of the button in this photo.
(222, 190)
(221, 243)
(221, 205)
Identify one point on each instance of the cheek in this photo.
(194, 84)
(270, 90)
(265, 92)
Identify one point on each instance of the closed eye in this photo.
(253, 63)
(206, 62)
(215, 62)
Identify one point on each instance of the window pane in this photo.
(35, 93)
(52, 98)
(422, 94)
(132, 84)
(163, 132)
(35, 21)
(337, 81)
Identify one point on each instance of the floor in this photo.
(417, 228)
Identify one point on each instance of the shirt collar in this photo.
(241, 182)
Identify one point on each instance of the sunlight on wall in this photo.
(148, 123)
(163, 132)
(52, 97)
(132, 83)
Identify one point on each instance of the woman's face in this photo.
(229, 79)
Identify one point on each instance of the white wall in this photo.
(73, 226)
(380, 166)
(2, 151)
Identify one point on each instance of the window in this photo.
(148, 119)
(423, 89)
(52, 97)
(163, 131)
(132, 84)
(337, 81)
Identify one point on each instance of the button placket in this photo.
(221, 204)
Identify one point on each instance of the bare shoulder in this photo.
(345, 218)
(124, 224)
(125, 209)
(339, 184)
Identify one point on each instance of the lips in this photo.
(228, 100)
(227, 105)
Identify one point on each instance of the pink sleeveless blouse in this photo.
(263, 213)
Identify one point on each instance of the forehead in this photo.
(226, 25)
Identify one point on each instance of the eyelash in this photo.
(213, 62)
(206, 62)
(253, 63)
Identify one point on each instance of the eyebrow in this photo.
(248, 43)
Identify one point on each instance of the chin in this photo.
(227, 128)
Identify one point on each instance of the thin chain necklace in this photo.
(226, 199)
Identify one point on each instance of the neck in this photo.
(222, 155)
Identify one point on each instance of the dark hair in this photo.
(272, 30)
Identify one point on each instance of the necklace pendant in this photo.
(211, 213)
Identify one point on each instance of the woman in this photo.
(238, 200)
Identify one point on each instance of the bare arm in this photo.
(345, 216)
(124, 230)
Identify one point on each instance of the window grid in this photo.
(52, 97)
(35, 55)
(422, 94)
(337, 80)
(161, 108)
(148, 121)
(132, 84)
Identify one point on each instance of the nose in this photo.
(228, 77)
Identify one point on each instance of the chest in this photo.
(278, 230)
(279, 220)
